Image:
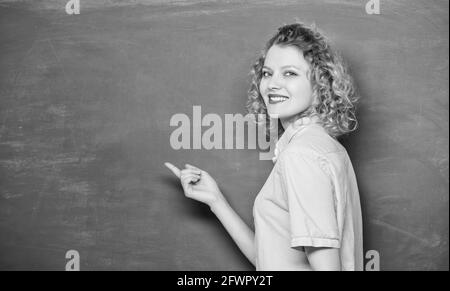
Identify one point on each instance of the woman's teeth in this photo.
(277, 99)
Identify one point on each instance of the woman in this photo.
(307, 215)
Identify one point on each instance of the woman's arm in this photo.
(323, 259)
(199, 185)
(239, 231)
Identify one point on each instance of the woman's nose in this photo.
(274, 83)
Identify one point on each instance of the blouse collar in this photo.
(290, 132)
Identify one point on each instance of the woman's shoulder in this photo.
(311, 150)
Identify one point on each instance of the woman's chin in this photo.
(275, 114)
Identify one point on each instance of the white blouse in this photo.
(310, 198)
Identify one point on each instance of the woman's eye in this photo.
(288, 73)
(291, 73)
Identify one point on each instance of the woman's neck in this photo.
(286, 122)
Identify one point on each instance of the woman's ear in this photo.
(309, 76)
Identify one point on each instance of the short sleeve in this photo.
(308, 189)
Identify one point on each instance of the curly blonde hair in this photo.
(332, 86)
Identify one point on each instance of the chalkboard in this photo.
(86, 102)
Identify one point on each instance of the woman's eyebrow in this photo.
(284, 67)
(292, 66)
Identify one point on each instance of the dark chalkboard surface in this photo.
(85, 106)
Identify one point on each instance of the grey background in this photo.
(85, 105)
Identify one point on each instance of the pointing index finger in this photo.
(174, 169)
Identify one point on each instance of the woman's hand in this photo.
(198, 184)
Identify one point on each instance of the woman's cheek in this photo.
(262, 90)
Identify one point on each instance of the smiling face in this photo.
(284, 85)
